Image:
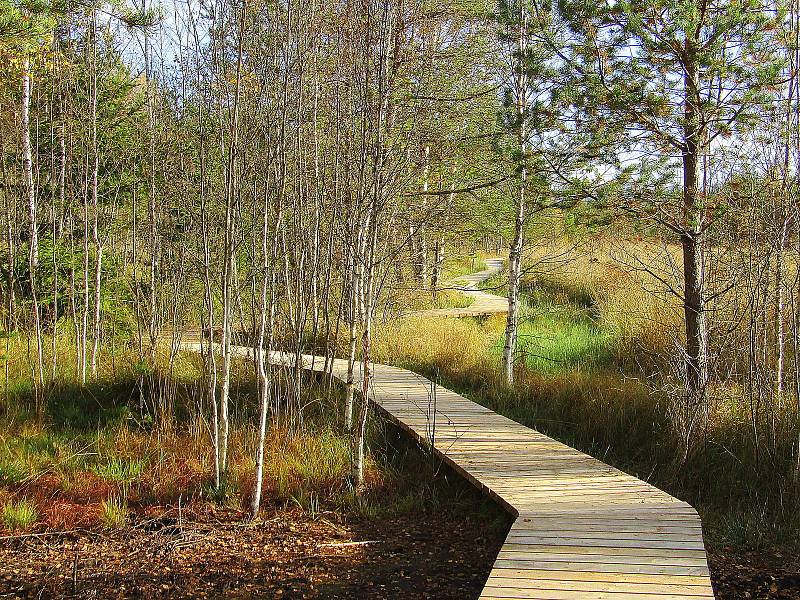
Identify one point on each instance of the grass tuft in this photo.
(19, 516)
(114, 513)
(117, 469)
(224, 495)
(12, 471)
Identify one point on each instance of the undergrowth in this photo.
(98, 454)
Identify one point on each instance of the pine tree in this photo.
(682, 75)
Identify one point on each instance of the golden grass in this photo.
(622, 410)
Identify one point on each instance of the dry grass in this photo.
(80, 452)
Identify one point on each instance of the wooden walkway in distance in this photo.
(583, 529)
(483, 303)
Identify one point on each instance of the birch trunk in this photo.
(33, 232)
(229, 275)
(515, 251)
(98, 247)
(264, 343)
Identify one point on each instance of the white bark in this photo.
(515, 251)
(98, 247)
(30, 191)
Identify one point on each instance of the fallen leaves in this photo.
(285, 555)
(758, 575)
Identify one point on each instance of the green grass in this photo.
(119, 469)
(114, 513)
(560, 327)
(456, 266)
(554, 342)
(19, 516)
(12, 471)
(560, 332)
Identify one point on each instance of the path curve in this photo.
(483, 302)
(582, 530)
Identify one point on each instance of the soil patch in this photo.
(758, 575)
(441, 553)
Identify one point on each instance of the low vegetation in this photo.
(19, 515)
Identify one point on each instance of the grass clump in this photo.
(12, 471)
(313, 462)
(19, 516)
(225, 494)
(114, 513)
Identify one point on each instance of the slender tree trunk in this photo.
(211, 359)
(62, 179)
(10, 207)
(780, 307)
(153, 325)
(514, 281)
(352, 316)
(229, 274)
(423, 235)
(366, 350)
(515, 251)
(98, 247)
(33, 232)
(264, 343)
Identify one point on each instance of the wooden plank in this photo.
(509, 593)
(604, 555)
(603, 526)
(606, 535)
(597, 586)
(551, 574)
(523, 548)
(602, 567)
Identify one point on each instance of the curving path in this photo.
(483, 303)
(583, 529)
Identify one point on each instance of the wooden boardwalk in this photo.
(583, 529)
(483, 303)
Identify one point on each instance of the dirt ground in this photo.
(440, 554)
(757, 575)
